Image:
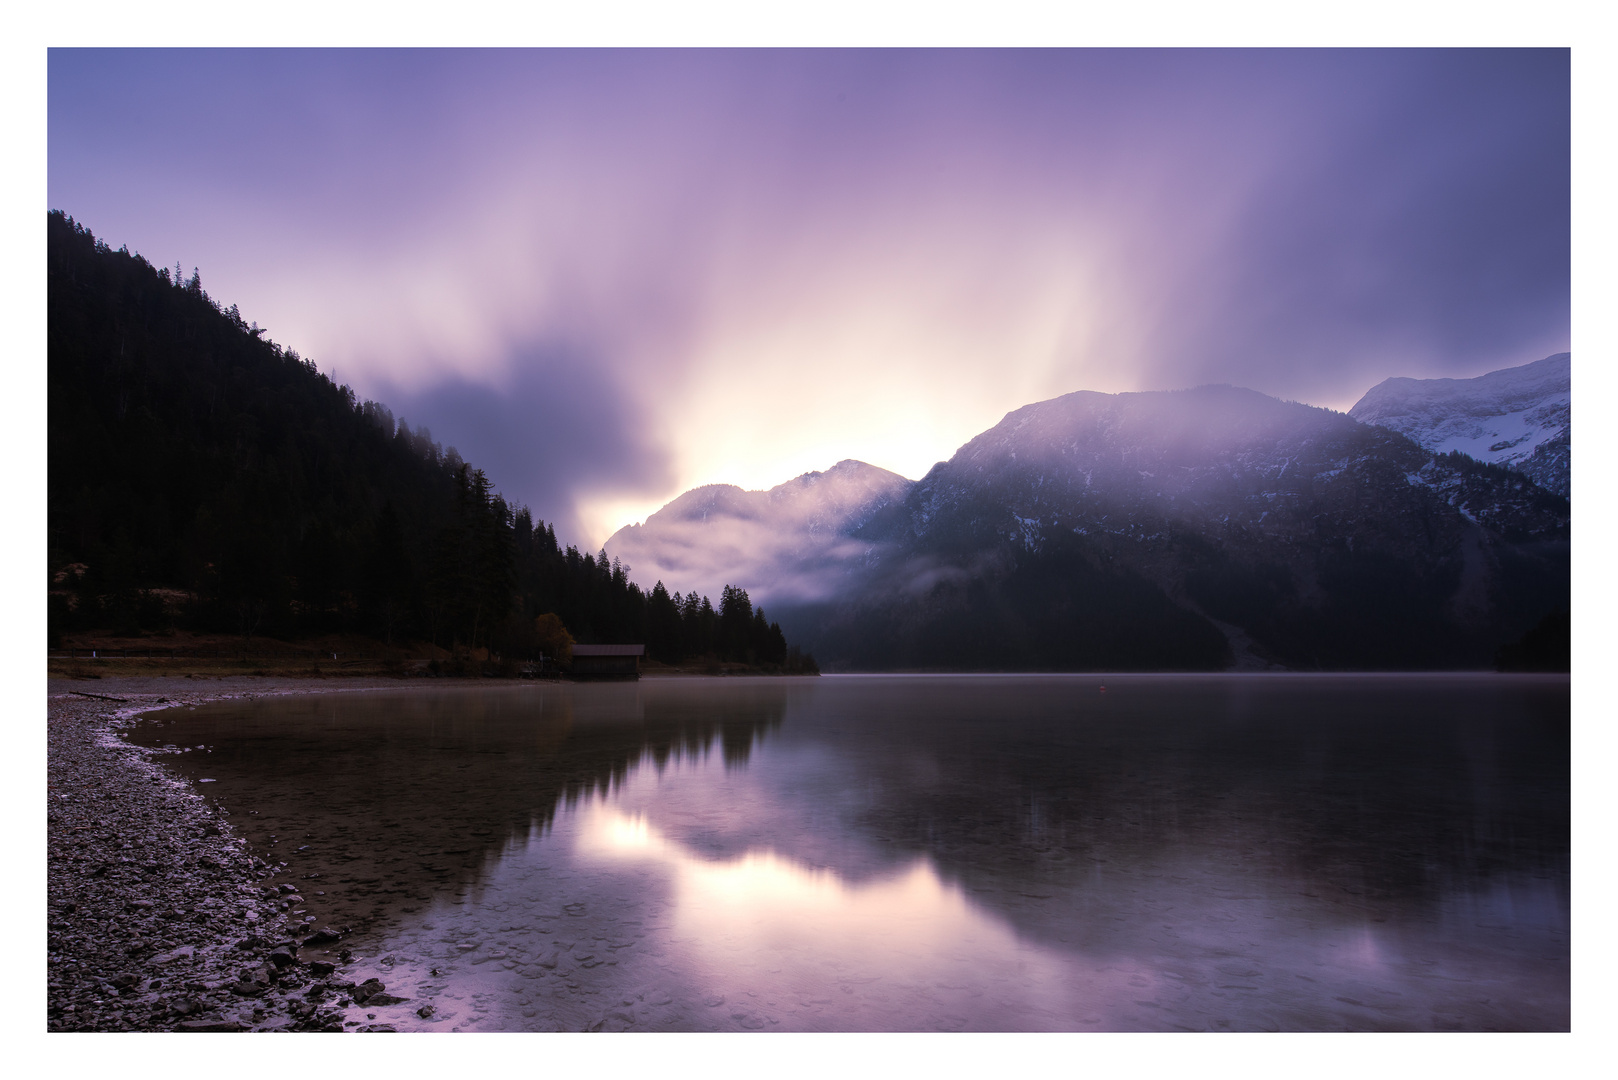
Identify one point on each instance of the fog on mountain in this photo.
(1196, 529)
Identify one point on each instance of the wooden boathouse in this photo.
(606, 661)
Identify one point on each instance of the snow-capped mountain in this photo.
(1169, 530)
(791, 543)
(1517, 417)
(1192, 529)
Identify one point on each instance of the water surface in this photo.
(925, 853)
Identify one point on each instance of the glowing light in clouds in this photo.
(878, 363)
(608, 277)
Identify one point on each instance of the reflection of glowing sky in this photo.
(711, 896)
(771, 898)
(774, 926)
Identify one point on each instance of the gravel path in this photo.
(159, 918)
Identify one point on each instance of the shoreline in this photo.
(157, 915)
(161, 917)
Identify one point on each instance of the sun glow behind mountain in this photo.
(608, 277)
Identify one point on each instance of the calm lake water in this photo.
(892, 853)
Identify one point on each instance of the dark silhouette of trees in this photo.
(663, 627)
(744, 632)
(701, 625)
(1547, 647)
(189, 453)
(388, 578)
(735, 621)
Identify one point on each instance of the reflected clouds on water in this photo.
(1353, 853)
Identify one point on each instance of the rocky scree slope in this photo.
(1518, 417)
(1196, 529)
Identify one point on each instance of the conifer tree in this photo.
(188, 452)
(663, 626)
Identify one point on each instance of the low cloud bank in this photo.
(788, 545)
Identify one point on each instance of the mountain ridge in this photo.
(1298, 526)
(1182, 529)
(1519, 417)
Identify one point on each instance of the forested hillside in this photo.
(202, 476)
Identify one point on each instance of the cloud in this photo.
(770, 261)
(786, 545)
(1421, 229)
(558, 427)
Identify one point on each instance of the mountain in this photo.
(790, 544)
(202, 477)
(1517, 417)
(1195, 529)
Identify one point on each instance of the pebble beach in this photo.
(159, 916)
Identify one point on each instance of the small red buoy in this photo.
(1103, 689)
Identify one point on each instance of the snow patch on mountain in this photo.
(1517, 417)
(1300, 535)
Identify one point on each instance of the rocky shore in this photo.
(159, 917)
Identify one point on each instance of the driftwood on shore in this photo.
(98, 697)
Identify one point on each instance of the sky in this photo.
(607, 276)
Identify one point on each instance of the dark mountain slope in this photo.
(203, 476)
(1101, 531)
(186, 452)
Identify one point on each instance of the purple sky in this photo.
(611, 276)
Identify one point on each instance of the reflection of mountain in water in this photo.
(1084, 819)
(1383, 799)
(1069, 811)
(391, 798)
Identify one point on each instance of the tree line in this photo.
(203, 477)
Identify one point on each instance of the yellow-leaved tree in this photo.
(552, 638)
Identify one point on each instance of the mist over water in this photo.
(925, 853)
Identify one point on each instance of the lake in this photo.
(921, 853)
